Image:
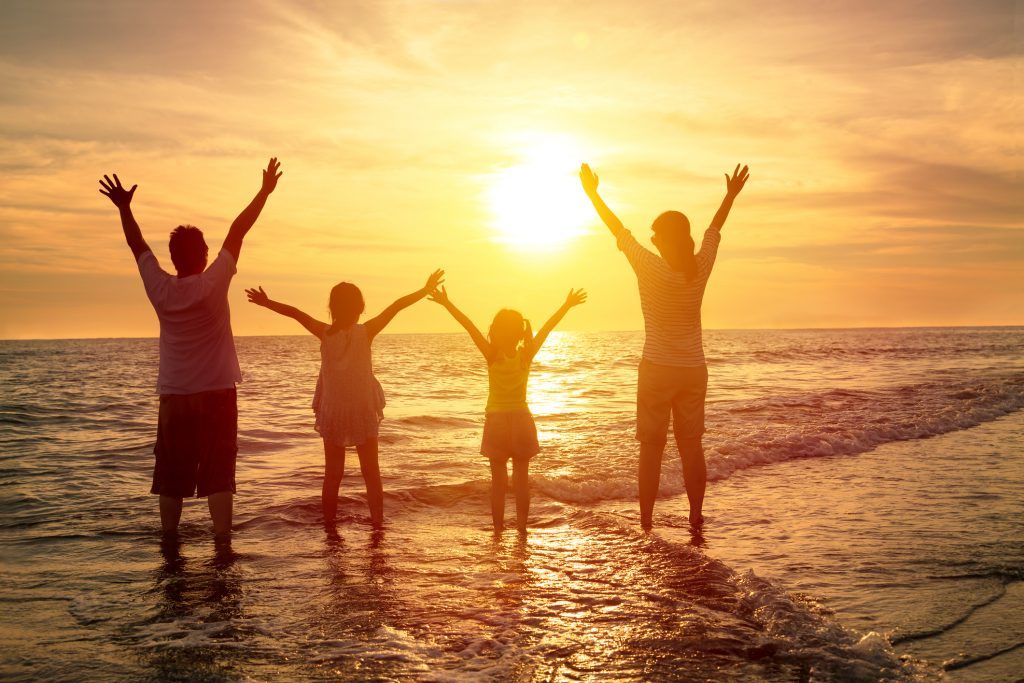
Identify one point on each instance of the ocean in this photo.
(865, 520)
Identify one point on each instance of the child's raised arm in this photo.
(260, 298)
(375, 325)
(575, 298)
(440, 296)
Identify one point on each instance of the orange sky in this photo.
(883, 141)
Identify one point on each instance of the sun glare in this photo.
(537, 203)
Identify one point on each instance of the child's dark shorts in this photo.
(196, 444)
(510, 434)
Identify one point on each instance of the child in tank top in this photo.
(509, 429)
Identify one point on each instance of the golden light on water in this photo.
(537, 203)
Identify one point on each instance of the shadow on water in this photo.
(192, 633)
(354, 633)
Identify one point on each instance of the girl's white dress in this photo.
(349, 401)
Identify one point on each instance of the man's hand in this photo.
(436, 278)
(439, 296)
(575, 298)
(734, 184)
(257, 296)
(270, 176)
(113, 189)
(589, 179)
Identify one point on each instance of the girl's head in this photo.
(508, 329)
(673, 240)
(346, 304)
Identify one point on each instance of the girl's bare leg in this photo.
(521, 486)
(370, 467)
(499, 486)
(334, 470)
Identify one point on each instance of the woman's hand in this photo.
(589, 179)
(734, 184)
(271, 176)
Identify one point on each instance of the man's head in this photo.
(188, 250)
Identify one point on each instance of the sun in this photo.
(538, 203)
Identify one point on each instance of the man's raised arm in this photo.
(733, 186)
(589, 180)
(122, 199)
(246, 219)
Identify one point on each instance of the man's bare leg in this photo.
(649, 478)
(695, 475)
(170, 514)
(220, 505)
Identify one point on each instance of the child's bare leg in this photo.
(221, 505)
(170, 514)
(521, 486)
(695, 475)
(370, 467)
(334, 470)
(499, 485)
(649, 477)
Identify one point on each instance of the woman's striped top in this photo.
(670, 304)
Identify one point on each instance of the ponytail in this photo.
(689, 265)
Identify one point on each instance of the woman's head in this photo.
(673, 240)
(507, 329)
(346, 304)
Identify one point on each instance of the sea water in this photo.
(864, 519)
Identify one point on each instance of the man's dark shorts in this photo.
(196, 444)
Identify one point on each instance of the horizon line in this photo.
(706, 329)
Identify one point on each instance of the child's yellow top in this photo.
(506, 382)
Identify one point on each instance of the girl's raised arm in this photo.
(440, 296)
(575, 298)
(260, 298)
(375, 325)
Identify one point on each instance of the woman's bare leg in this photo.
(499, 486)
(649, 478)
(695, 475)
(334, 470)
(368, 463)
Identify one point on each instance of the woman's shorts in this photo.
(196, 444)
(509, 435)
(664, 390)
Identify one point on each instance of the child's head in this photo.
(346, 304)
(508, 328)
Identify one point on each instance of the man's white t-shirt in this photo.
(197, 349)
(671, 303)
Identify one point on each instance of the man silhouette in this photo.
(196, 443)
